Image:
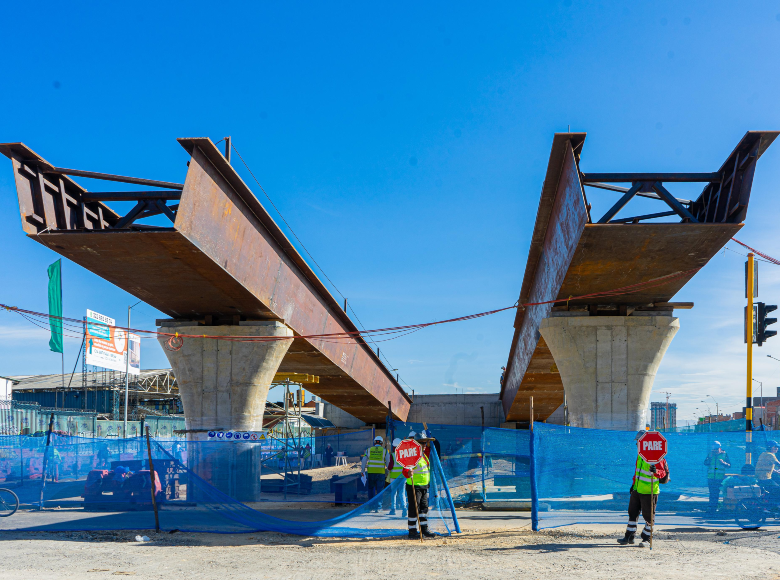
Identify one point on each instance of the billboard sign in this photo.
(106, 345)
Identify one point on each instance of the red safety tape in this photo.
(176, 339)
(766, 257)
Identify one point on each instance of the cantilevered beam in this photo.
(639, 218)
(647, 194)
(129, 195)
(669, 177)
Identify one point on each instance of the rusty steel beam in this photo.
(559, 223)
(569, 257)
(130, 195)
(667, 177)
(223, 259)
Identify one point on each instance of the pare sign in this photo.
(652, 447)
(408, 453)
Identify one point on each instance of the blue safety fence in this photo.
(585, 476)
(105, 484)
(481, 464)
(568, 475)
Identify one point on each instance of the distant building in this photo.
(658, 416)
(715, 418)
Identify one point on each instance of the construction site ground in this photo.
(492, 545)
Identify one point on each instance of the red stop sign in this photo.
(408, 453)
(652, 447)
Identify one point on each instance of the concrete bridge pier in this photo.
(608, 364)
(223, 386)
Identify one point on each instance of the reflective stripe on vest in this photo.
(396, 471)
(376, 459)
(644, 477)
(421, 474)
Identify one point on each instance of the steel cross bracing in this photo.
(570, 255)
(222, 260)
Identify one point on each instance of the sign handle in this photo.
(416, 507)
(652, 507)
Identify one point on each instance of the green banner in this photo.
(55, 306)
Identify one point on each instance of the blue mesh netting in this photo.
(100, 484)
(584, 476)
(569, 475)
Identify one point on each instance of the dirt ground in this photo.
(490, 547)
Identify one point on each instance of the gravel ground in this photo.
(487, 549)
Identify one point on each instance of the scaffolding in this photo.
(288, 422)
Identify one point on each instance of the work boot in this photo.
(645, 537)
(426, 533)
(392, 512)
(414, 535)
(404, 514)
(627, 539)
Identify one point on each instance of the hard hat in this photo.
(378, 438)
(770, 444)
(639, 434)
(421, 435)
(716, 444)
(412, 435)
(396, 442)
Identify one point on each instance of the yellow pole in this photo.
(749, 321)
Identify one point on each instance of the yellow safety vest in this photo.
(396, 471)
(376, 459)
(644, 477)
(421, 474)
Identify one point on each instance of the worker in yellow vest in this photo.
(418, 481)
(644, 496)
(398, 498)
(373, 465)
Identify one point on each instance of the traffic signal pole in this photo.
(749, 338)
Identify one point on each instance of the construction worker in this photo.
(766, 466)
(398, 498)
(717, 462)
(374, 464)
(418, 481)
(644, 496)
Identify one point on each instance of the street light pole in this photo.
(127, 366)
(717, 409)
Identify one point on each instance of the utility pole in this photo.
(761, 396)
(749, 339)
(227, 148)
(127, 367)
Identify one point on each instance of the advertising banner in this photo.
(106, 346)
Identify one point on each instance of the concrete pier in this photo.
(608, 364)
(223, 386)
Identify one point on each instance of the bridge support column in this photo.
(608, 364)
(223, 386)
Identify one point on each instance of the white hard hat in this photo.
(378, 438)
(411, 435)
(396, 442)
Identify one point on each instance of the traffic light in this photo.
(762, 322)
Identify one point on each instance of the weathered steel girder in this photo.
(222, 260)
(572, 256)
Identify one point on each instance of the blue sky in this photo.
(406, 145)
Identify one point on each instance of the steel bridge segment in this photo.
(222, 260)
(572, 256)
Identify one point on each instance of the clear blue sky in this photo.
(406, 145)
